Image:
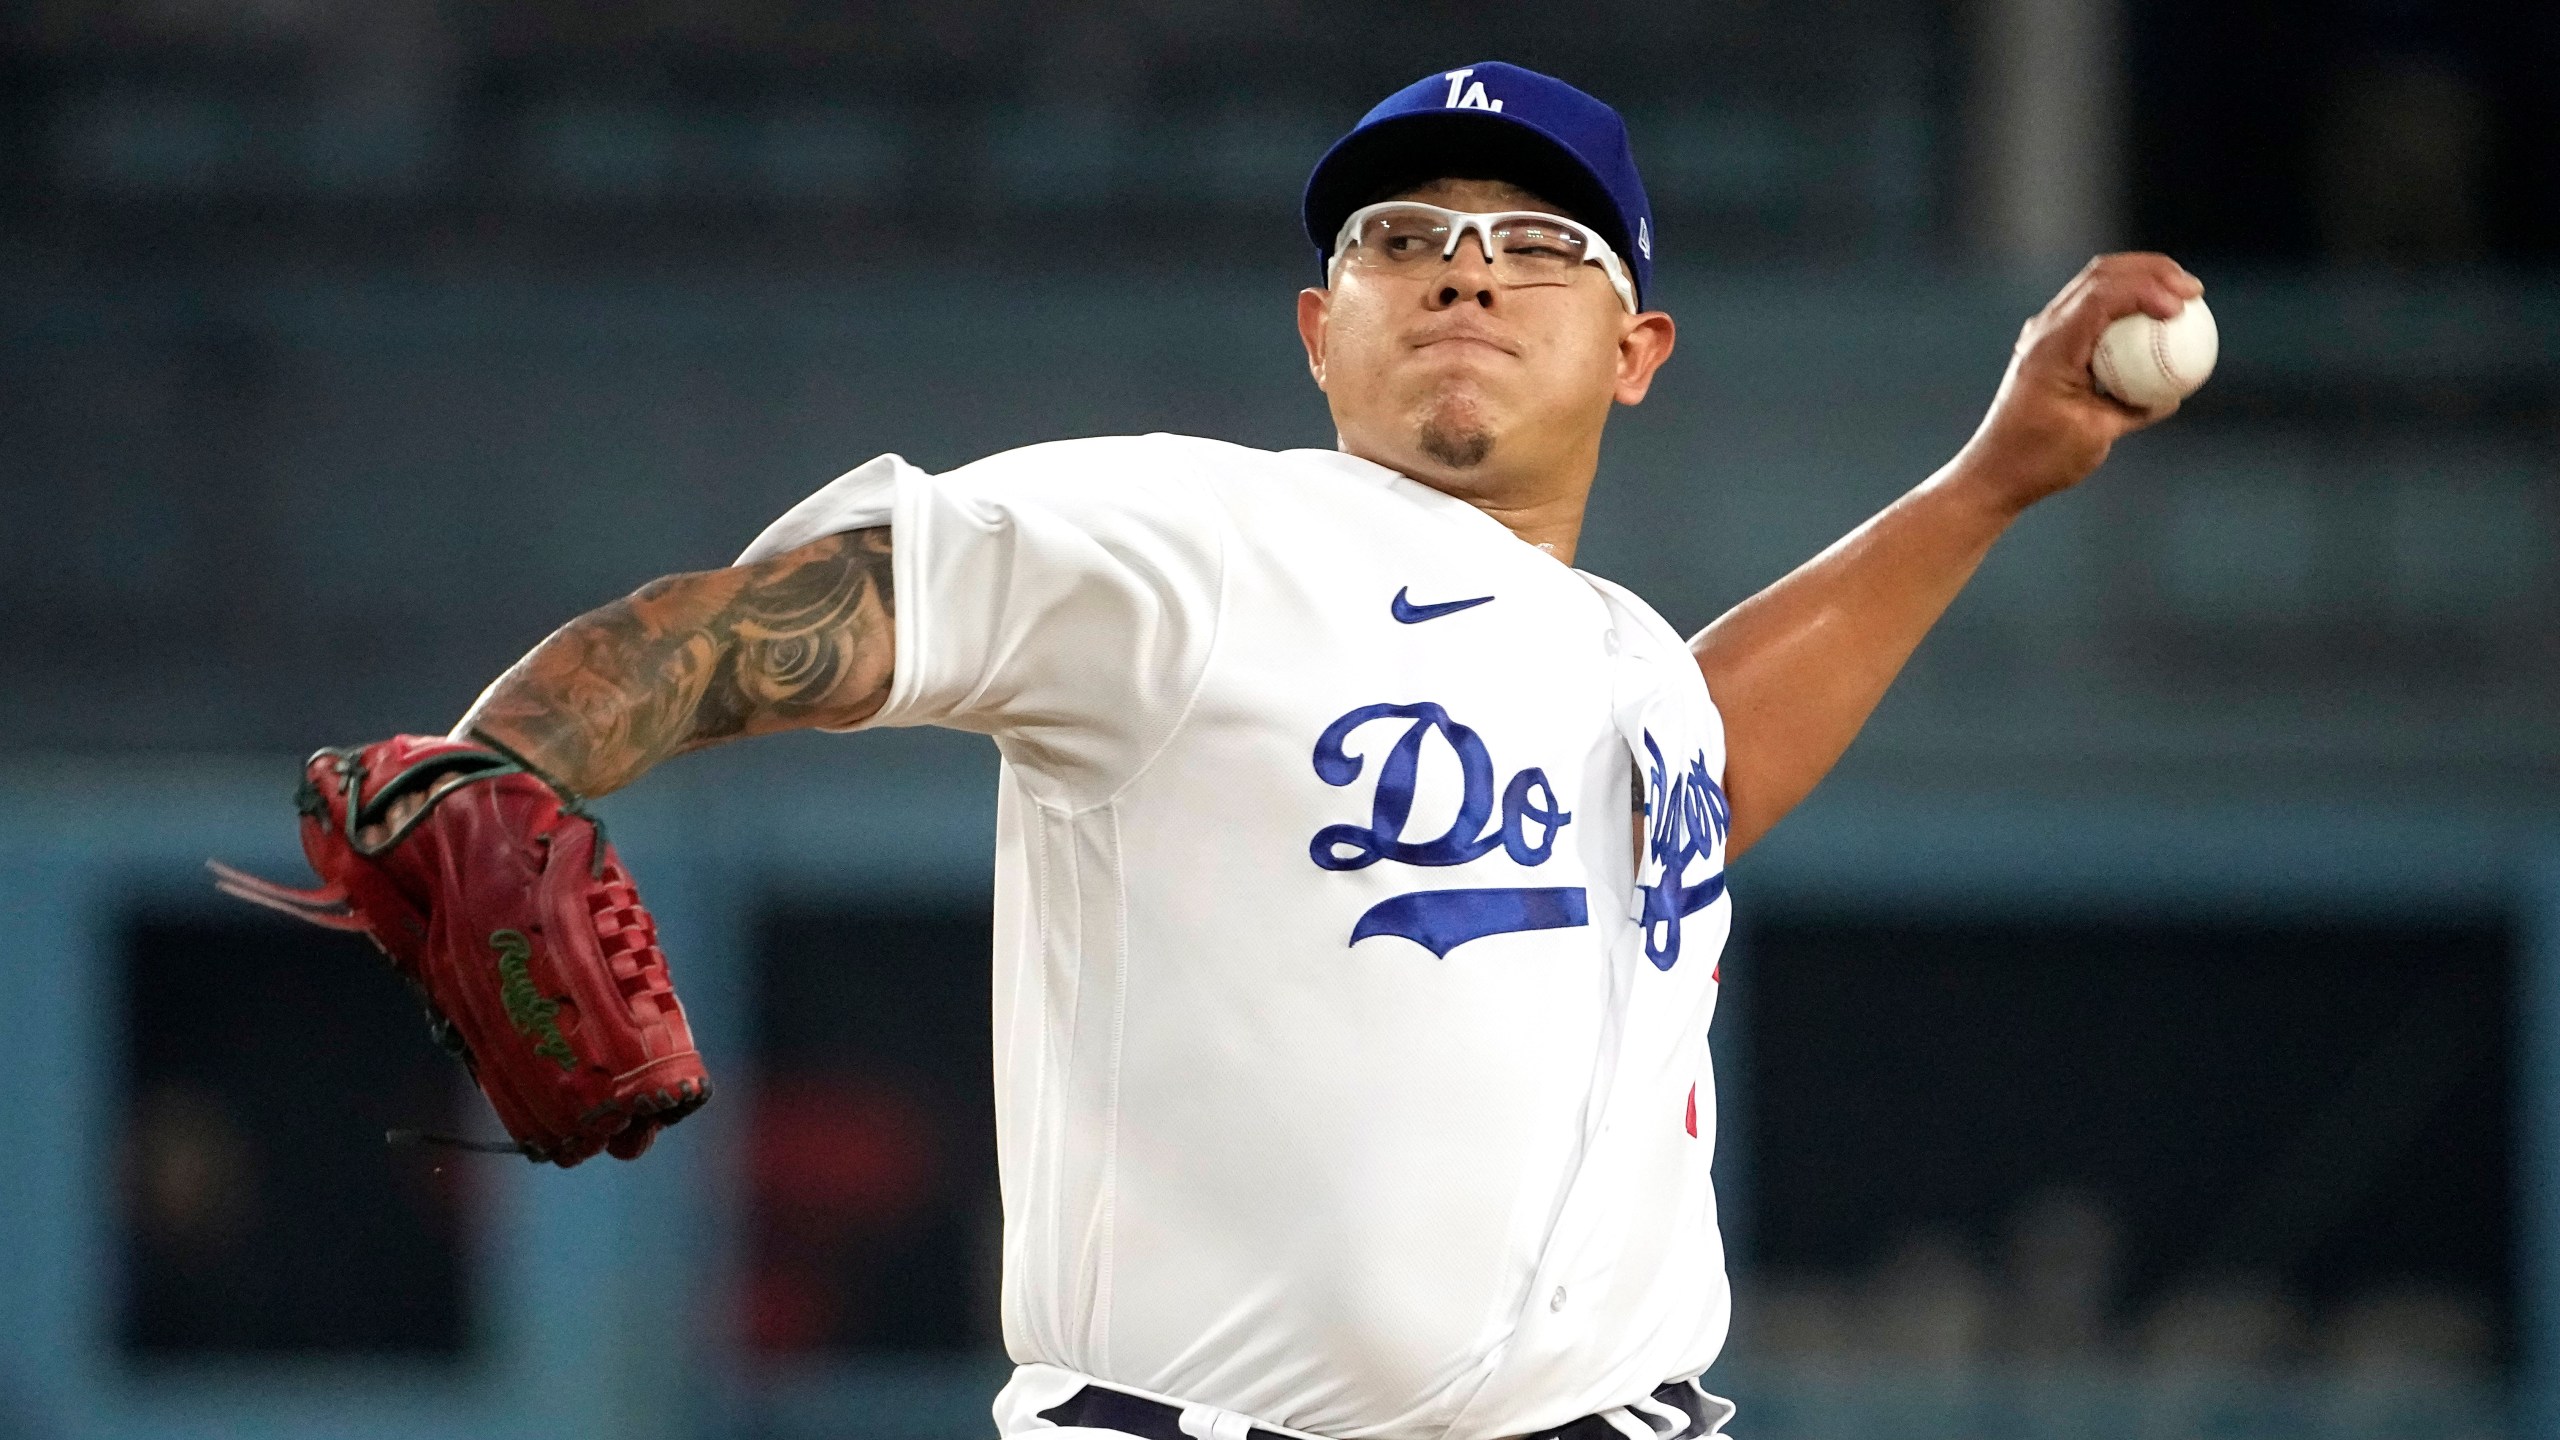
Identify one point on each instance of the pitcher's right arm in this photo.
(803, 639)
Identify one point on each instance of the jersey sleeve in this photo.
(1061, 598)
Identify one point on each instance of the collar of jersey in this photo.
(1437, 501)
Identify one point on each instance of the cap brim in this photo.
(1377, 161)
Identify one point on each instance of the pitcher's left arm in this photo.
(1797, 668)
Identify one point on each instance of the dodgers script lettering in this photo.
(1686, 820)
(1530, 817)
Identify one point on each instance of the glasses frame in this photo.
(1596, 249)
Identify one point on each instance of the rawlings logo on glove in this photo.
(531, 1011)
(495, 895)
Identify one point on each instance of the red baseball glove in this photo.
(495, 894)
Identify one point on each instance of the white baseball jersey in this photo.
(1351, 1045)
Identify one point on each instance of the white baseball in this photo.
(2147, 363)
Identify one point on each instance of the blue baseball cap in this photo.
(1491, 121)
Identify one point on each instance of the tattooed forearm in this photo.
(803, 639)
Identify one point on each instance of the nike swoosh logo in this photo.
(1409, 613)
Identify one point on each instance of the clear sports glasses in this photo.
(1524, 247)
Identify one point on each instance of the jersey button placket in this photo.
(1555, 1301)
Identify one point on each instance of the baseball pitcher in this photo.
(1360, 862)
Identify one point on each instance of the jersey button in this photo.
(1556, 1301)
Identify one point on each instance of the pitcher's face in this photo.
(1451, 369)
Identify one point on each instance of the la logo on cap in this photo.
(1463, 96)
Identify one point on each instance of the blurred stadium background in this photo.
(2153, 1030)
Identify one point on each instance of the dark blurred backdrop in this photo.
(2144, 1033)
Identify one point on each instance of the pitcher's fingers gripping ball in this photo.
(497, 897)
(2148, 362)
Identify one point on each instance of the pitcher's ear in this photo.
(1315, 311)
(1641, 351)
